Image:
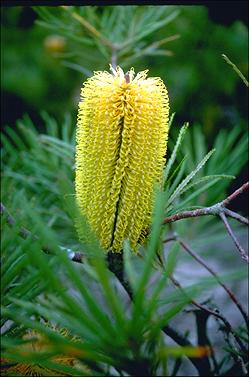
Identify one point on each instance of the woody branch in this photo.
(218, 209)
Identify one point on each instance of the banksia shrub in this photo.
(122, 133)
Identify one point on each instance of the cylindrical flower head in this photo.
(122, 133)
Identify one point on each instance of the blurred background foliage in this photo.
(48, 52)
(202, 87)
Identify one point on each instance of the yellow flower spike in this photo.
(40, 344)
(122, 133)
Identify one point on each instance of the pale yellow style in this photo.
(122, 133)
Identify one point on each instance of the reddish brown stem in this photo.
(214, 210)
(234, 195)
(210, 312)
(242, 252)
(212, 272)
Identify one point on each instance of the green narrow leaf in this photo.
(30, 135)
(105, 279)
(48, 273)
(208, 178)
(171, 119)
(51, 124)
(16, 138)
(96, 256)
(184, 183)
(12, 273)
(199, 143)
(77, 67)
(152, 27)
(204, 284)
(175, 150)
(152, 248)
(54, 336)
(236, 69)
(68, 148)
(196, 193)
(96, 312)
(8, 146)
(180, 170)
(130, 271)
(169, 314)
(169, 268)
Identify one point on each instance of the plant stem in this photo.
(200, 364)
(25, 233)
(236, 216)
(236, 69)
(242, 252)
(213, 313)
(237, 192)
(212, 272)
(215, 210)
(89, 27)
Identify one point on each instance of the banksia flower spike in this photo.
(37, 344)
(122, 133)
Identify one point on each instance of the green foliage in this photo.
(229, 156)
(106, 29)
(61, 50)
(38, 188)
(236, 69)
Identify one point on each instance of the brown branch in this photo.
(207, 211)
(242, 252)
(214, 274)
(236, 216)
(169, 239)
(214, 210)
(207, 362)
(199, 363)
(25, 233)
(188, 214)
(234, 195)
(211, 312)
(89, 27)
